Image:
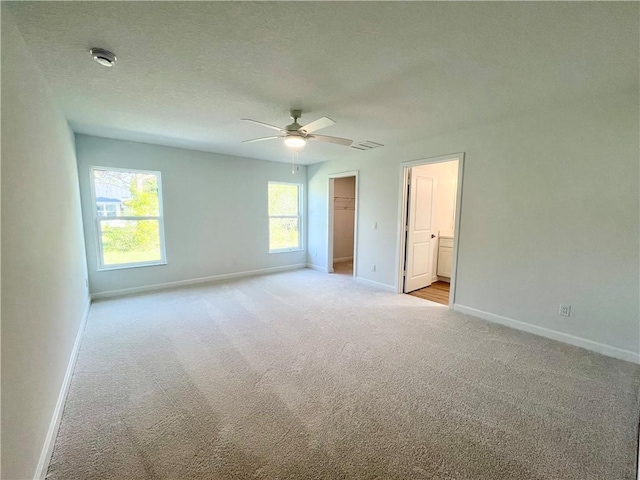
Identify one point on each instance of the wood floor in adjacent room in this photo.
(306, 375)
(437, 292)
(343, 268)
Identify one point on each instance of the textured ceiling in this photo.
(390, 72)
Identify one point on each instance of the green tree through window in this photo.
(134, 235)
(284, 216)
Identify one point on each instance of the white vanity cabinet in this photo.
(445, 256)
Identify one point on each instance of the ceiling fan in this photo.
(296, 135)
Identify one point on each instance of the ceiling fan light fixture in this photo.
(295, 135)
(295, 141)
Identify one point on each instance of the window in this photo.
(107, 209)
(285, 219)
(128, 213)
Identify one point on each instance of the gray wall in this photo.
(215, 211)
(43, 262)
(550, 215)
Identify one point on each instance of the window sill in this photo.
(130, 265)
(287, 250)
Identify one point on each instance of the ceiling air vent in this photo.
(366, 145)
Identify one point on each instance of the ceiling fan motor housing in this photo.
(295, 126)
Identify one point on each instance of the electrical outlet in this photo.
(373, 267)
(315, 255)
(374, 226)
(565, 310)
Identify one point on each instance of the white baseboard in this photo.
(50, 439)
(443, 279)
(607, 350)
(193, 281)
(320, 268)
(342, 259)
(372, 283)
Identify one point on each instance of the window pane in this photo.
(130, 241)
(283, 233)
(283, 199)
(132, 194)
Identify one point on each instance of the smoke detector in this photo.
(103, 57)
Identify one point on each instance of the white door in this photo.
(419, 231)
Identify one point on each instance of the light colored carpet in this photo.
(303, 375)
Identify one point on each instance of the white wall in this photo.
(43, 268)
(343, 216)
(215, 211)
(550, 214)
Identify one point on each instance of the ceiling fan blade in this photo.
(323, 122)
(340, 141)
(259, 139)
(264, 124)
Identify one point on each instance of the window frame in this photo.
(97, 220)
(300, 218)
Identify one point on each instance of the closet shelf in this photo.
(344, 203)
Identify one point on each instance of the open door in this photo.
(420, 233)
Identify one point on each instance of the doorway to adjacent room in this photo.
(430, 211)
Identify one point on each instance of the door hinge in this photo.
(404, 273)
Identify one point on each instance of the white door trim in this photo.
(402, 215)
(331, 176)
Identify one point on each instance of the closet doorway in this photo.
(342, 223)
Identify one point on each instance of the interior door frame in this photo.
(330, 178)
(402, 218)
